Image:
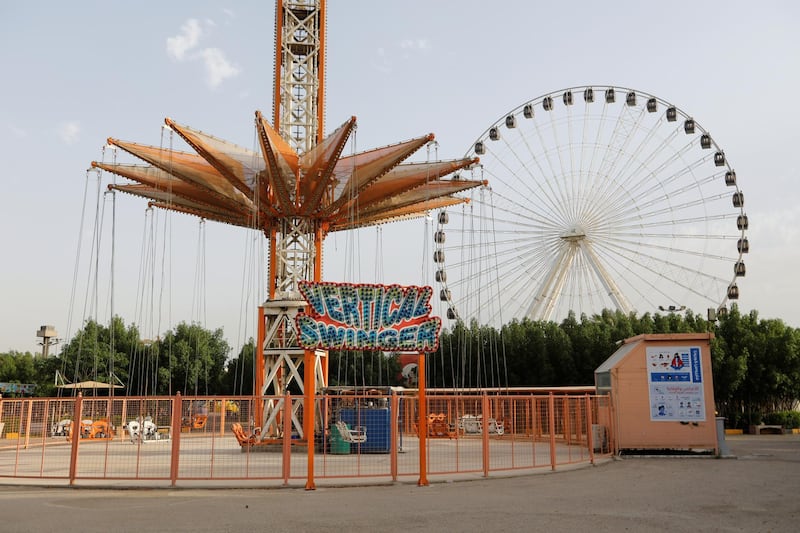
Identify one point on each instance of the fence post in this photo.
(531, 421)
(75, 433)
(513, 415)
(551, 415)
(177, 410)
(122, 419)
(485, 432)
(223, 409)
(589, 432)
(309, 412)
(287, 437)
(393, 414)
(422, 424)
(28, 424)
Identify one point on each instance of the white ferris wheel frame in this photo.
(650, 150)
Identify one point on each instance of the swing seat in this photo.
(134, 429)
(438, 426)
(356, 435)
(199, 421)
(241, 436)
(100, 429)
(62, 428)
(194, 422)
(149, 429)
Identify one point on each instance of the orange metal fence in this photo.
(173, 440)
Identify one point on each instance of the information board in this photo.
(675, 379)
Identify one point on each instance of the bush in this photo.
(12, 424)
(733, 419)
(752, 418)
(786, 419)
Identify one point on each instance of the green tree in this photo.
(756, 363)
(756, 367)
(239, 371)
(99, 353)
(17, 367)
(366, 368)
(195, 360)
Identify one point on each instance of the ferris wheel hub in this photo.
(573, 235)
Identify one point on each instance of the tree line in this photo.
(756, 362)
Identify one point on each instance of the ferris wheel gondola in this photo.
(597, 198)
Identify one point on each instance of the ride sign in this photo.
(345, 316)
(675, 380)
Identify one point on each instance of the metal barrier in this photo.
(191, 440)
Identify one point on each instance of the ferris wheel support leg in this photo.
(608, 282)
(545, 298)
(560, 281)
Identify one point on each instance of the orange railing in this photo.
(174, 440)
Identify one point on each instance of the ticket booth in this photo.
(662, 393)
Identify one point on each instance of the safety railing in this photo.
(358, 438)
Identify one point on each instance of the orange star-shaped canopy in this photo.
(228, 183)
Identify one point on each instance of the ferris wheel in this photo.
(596, 198)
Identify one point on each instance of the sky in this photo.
(76, 73)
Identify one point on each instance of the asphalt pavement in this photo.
(758, 489)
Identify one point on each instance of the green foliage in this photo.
(195, 358)
(189, 359)
(363, 369)
(787, 419)
(99, 352)
(749, 417)
(238, 378)
(756, 362)
(17, 367)
(12, 423)
(756, 367)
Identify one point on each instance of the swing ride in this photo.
(297, 189)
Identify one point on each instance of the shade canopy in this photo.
(258, 189)
(90, 385)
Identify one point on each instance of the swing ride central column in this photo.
(294, 257)
(295, 247)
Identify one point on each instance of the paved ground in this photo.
(759, 490)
